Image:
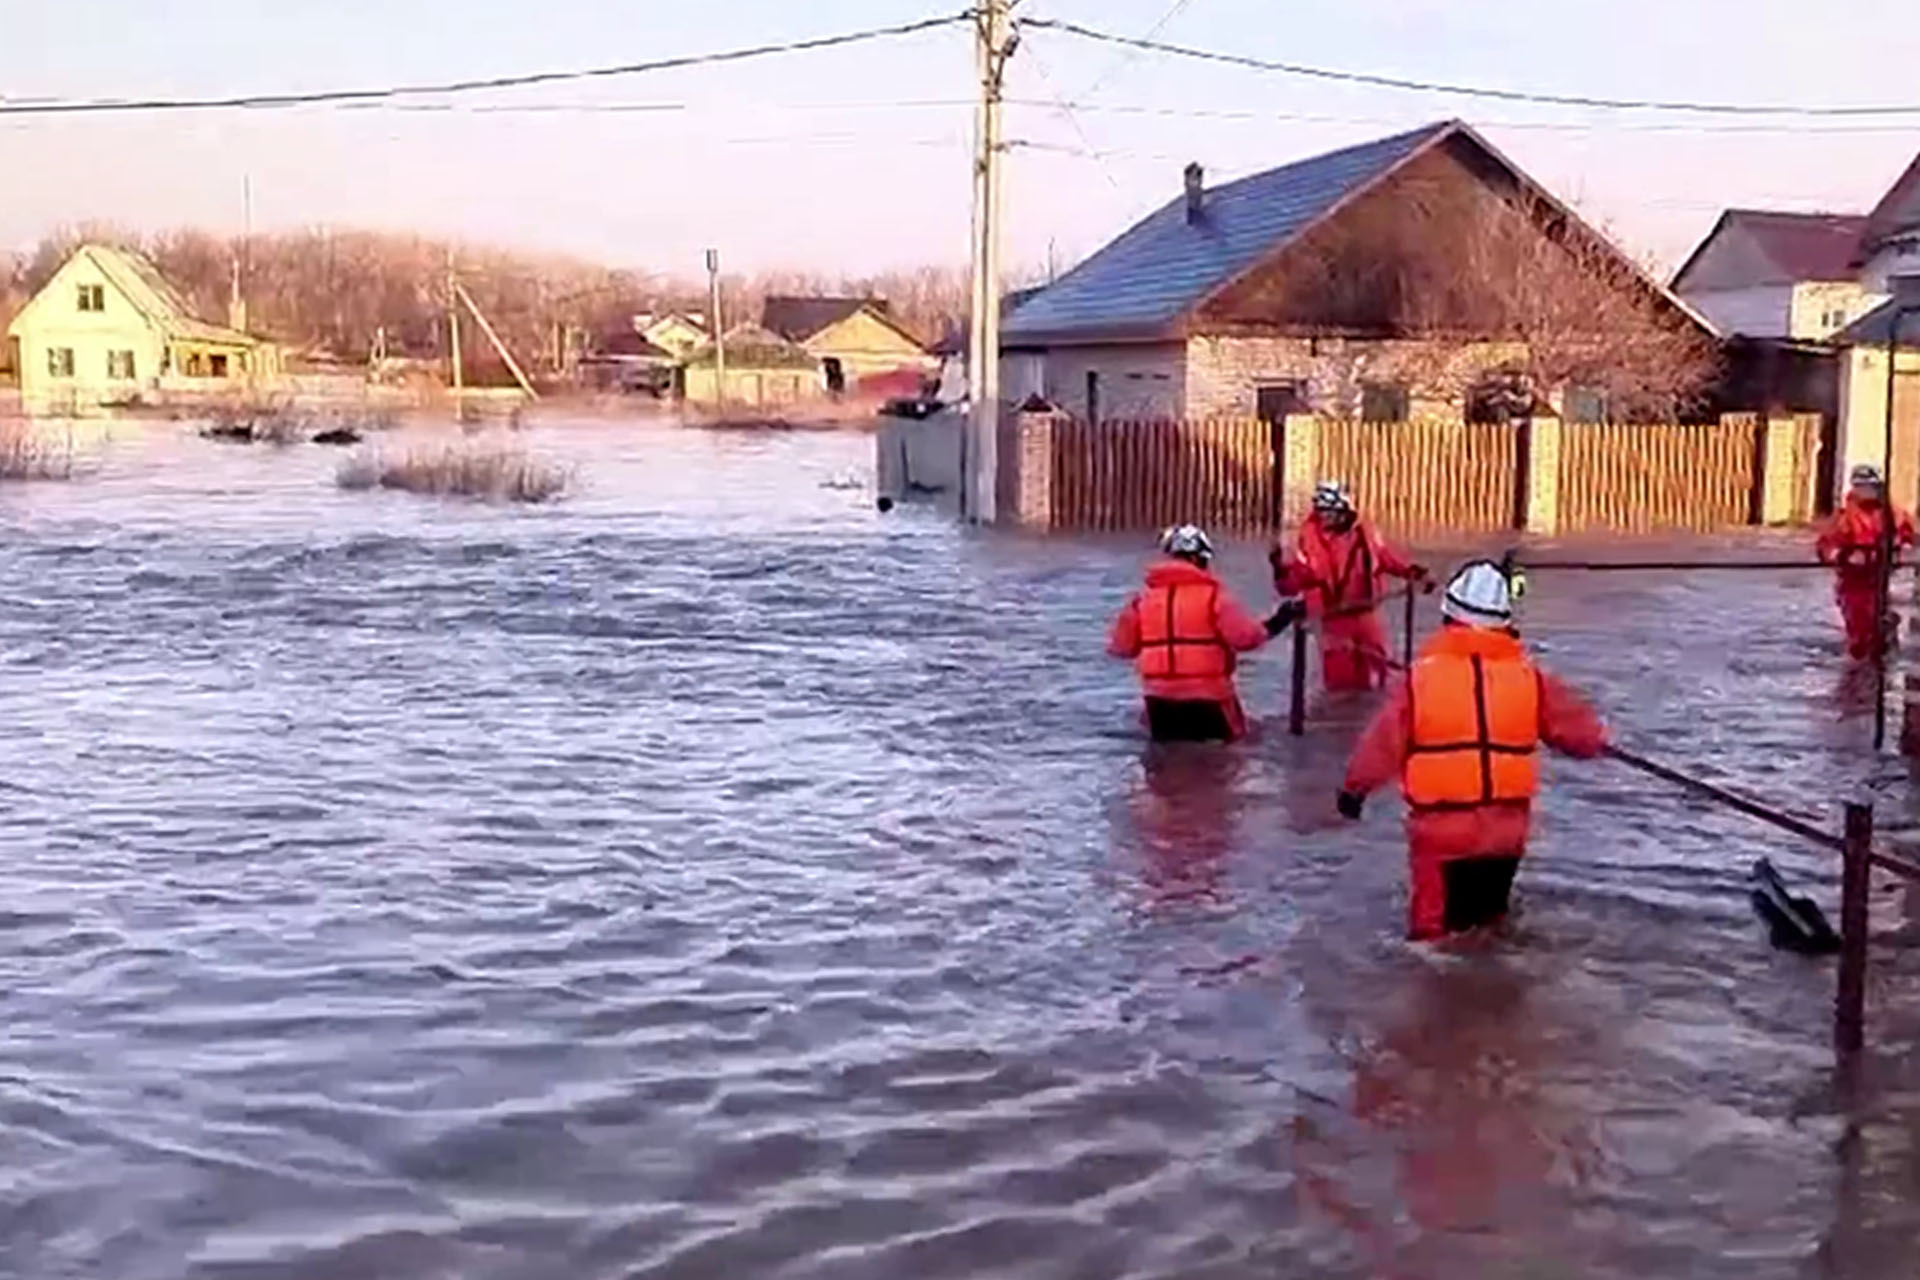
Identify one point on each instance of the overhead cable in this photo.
(1464, 90)
(98, 106)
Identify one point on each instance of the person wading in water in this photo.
(1340, 565)
(1854, 543)
(1462, 733)
(1183, 630)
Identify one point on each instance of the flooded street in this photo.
(709, 877)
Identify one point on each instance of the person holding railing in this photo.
(1463, 734)
(1184, 630)
(1340, 566)
(1854, 543)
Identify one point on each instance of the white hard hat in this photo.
(1330, 496)
(1866, 476)
(1188, 541)
(1479, 596)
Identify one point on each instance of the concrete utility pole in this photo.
(994, 41)
(453, 341)
(719, 330)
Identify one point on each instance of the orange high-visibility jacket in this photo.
(1335, 571)
(1183, 631)
(1859, 527)
(1474, 726)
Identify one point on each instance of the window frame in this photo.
(92, 299)
(1399, 394)
(60, 362)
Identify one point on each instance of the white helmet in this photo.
(1329, 497)
(1866, 476)
(1187, 542)
(1480, 595)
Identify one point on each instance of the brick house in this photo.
(1417, 275)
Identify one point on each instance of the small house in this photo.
(679, 333)
(626, 362)
(109, 329)
(760, 368)
(853, 340)
(1418, 275)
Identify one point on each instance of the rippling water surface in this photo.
(709, 877)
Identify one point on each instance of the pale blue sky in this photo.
(856, 159)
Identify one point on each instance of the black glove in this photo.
(1420, 576)
(1289, 612)
(1349, 803)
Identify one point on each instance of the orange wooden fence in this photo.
(1636, 479)
(1425, 475)
(1116, 475)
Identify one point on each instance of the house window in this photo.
(1585, 404)
(60, 362)
(1273, 401)
(196, 365)
(93, 297)
(219, 365)
(120, 365)
(1383, 401)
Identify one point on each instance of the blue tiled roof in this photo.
(1142, 282)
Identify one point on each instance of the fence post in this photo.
(1849, 1013)
(1301, 470)
(1297, 687)
(1779, 500)
(1541, 458)
(1033, 485)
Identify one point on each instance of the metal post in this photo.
(1849, 1013)
(1884, 596)
(719, 329)
(453, 342)
(1407, 639)
(1297, 704)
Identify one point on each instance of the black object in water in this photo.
(1795, 924)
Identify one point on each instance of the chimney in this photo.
(1196, 193)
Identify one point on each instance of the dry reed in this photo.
(27, 454)
(483, 471)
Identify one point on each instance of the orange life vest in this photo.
(1178, 634)
(1352, 578)
(1475, 700)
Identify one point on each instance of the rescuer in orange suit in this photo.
(1463, 734)
(1183, 630)
(1340, 565)
(1853, 542)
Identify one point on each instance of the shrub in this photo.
(483, 471)
(26, 454)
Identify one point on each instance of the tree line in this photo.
(347, 293)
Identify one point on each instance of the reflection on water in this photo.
(707, 876)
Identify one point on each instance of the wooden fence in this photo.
(1139, 475)
(1425, 475)
(1249, 477)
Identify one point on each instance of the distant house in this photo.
(1413, 275)
(108, 329)
(1766, 274)
(678, 333)
(852, 339)
(624, 361)
(761, 368)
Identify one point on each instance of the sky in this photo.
(857, 159)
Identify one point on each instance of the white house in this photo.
(108, 329)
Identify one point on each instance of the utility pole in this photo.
(719, 330)
(994, 41)
(453, 341)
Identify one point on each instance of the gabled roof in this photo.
(752, 346)
(1139, 285)
(1795, 246)
(1875, 329)
(631, 345)
(1898, 210)
(141, 282)
(799, 319)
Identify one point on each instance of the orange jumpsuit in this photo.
(1852, 543)
(1342, 577)
(1183, 631)
(1462, 734)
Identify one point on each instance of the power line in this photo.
(1458, 90)
(48, 107)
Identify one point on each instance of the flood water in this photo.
(709, 877)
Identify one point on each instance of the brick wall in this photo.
(1223, 374)
(1135, 380)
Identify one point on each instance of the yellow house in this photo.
(675, 332)
(108, 329)
(851, 339)
(762, 368)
